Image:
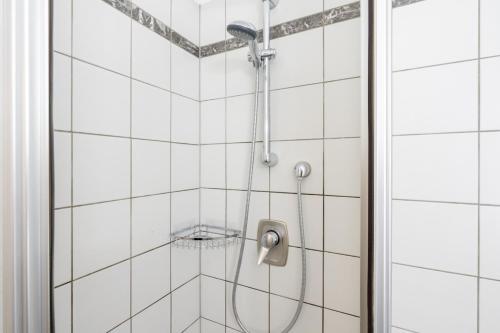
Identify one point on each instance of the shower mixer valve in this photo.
(272, 243)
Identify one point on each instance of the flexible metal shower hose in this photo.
(245, 225)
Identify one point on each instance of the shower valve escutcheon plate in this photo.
(272, 242)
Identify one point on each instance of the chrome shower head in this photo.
(247, 32)
(242, 30)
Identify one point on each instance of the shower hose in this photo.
(245, 226)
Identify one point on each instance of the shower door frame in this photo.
(25, 177)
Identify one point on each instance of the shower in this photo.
(272, 236)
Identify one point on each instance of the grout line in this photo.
(131, 173)
(404, 329)
(434, 269)
(72, 299)
(478, 313)
(170, 329)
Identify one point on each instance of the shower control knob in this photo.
(268, 241)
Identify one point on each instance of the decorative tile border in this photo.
(401, 3)
(330, 16)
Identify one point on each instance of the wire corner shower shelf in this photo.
(205, 236)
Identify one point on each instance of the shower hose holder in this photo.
(205, 236)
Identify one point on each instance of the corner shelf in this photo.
(205, 236)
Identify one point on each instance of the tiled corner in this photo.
(153, 319)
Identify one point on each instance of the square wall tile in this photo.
(289, 153)
(430, 301)
(159, 9)
(239, 119)
(436, 99)
(185, 167)
(213, 262)
(213, 22)
(343, 50)
(490, 28)
(150, 167)
(251, 275)
(416, 44)
(61, 95)
(284, 207)
(213, 76)
(287, 280)
(294, 9)
(303, 48)
(490, 247)
(213, 207)
(61, 29)
(310, 320)
(101, 169)
(213, 299)
(490, 164)
(240, 75)
(62, 246)
(490, 100)
(418, 223)
(253, 308)
(155, 319)
(185, 305)
(185, 209)
(213, 121)
(343, 108)
(101, 236)
(238, 159)
(150, 57)
(150, 222)
(101, 101)
(186, 19)
(123, 328)
(489, 306)
(185, 120)
(150, 112)
(297, 113)
(62, 169)
(102, 300)
(150, 278)
(436, 167)
(185, 73)
(62, 308)
(101, 35)
(343, 167)
(341, 322)
(342, 283)
(259, 209)
(213, 166)
(343, 225)
(185, 265)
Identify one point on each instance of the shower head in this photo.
(242, 30)
(247, 32)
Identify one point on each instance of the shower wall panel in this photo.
(126, 132)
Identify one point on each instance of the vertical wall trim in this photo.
(381, 63)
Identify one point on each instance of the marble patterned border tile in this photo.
(401, 3)
(149, 21)
(330, 16)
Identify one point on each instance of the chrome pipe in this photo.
(268, 158)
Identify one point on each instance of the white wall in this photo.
(126, 104)
(316, 118)
(445, 181)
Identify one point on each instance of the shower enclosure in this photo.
(382, 194)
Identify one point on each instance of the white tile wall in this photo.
(185, 120)
(342, 280)
(253, 308)
(186, 19)
(150, 112)
(213, 166)
(340, 322)
(342, 161)
(185, 305)
(213, 207)
(61, 103)
(436, 99)
(94, 227)
(108, 292)
(62, 169)
(213, 122)
(310, 319)
(212, 76)
(159, 9)
(101, 168)
(430, 301)
(213, 22)
(155, 319)
(62, 246)
(61, 31)
(343, 225)
(185, 73)
(343, 108)
(436, 167)
(62, 305)
(443, 38)
(150, 167)
(101, 101)
(444, 84)
(489, 306)
(213, 301)
(185, 166)
(101, 35)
